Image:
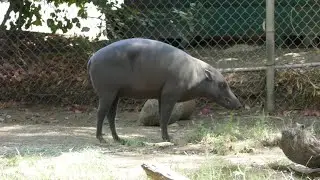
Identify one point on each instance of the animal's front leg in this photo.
(166, 105)
(166, 110)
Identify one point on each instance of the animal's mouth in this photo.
(231, 104)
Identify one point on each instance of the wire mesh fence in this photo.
(230, 35)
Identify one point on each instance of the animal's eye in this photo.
(208, 79)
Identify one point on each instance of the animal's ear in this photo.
(208, 75)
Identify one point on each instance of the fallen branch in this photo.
(302, 170)
(160, 144)
(297, 169)
(159, 173)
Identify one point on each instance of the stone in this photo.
(149, 114)
(301, 146)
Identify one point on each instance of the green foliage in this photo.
(188, 16)
(117, 18)
(29, 14)
(121, 20)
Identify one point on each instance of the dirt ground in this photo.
(245, 56)
(55, 132)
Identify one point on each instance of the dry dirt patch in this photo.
(62, 144)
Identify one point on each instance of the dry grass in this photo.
(74, 165)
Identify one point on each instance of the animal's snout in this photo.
(233, 103)
(238, 105)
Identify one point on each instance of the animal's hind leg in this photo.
(159, 105)
(105, 104)
(111, 118)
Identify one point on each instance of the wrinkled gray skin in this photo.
(149, 69)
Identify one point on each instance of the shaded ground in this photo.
(66, 141)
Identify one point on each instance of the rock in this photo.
(1, 119)
(174, 125)
(149, 114)
(301, 146)
(36, 115)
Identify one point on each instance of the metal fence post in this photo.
(270, 46)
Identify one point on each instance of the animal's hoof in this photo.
(166, 139)
(122, 141)
(101, 140)
(116, 138)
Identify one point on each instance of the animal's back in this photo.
(137, 65)
(137, 50)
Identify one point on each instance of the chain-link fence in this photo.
(230, 35)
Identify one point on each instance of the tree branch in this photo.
(6, 17)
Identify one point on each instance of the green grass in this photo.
(133, 142)
(230, 172)
(218, 170)
(223, 134)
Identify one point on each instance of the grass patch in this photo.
(232, 172)
(222, 135)
(219, 169)
(86, 164)
(10, 162)
(133, 142)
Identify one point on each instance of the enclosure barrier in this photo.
(267, 51)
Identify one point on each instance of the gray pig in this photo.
(149, 69)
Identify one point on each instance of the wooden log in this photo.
(302, 170)
(159, 173)
(301, 146)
